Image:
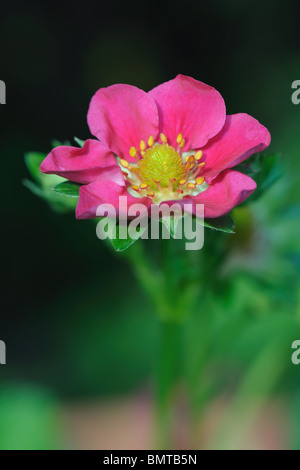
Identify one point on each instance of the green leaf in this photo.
(57, 202)
(221, 224)
(171, 223)
(43, 184)
(264, 169)
(270, 173)
(30, 419)
(80, 142)
(34, 188)
(119, 244)
(33, 161)
(58, 143)
(67, 188)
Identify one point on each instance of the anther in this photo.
(189, 159)
(163, 138)
(179, 138)
(143, 145)
(135, 187)
(182, 143)
(124, 163)
(151, 194)
(199, 180)
(191, 185)
(151, 141)
(132, 152)
(143, 186)
(198, 155)
(182, 182)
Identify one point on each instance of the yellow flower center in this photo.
(162, 165)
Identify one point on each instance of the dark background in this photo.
(73, 318)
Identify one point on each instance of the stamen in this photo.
(198, 155)
(124, 163)
(191, 185)
(179, 138)
(196, 173)
(151, 141)
(132, 152)
(189, 159)
(143, 145)
(135, 187)
(182, 143)
(144, 186)
(151, 194)
(172, 181)
(163, 138)
(199, 180)
(188, 167)
(182, 182)
(198, 169)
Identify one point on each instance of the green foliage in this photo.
(78, 141)
(114, 235)
(29, 419)
(43, 184)
(67, 188)
(171, 224)
(221, 224)
(119, 244)
(264, 169)
(58, 143)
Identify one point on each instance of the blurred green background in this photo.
(81, 336)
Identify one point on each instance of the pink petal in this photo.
(83, 165)
(227, 190)
(191, 108)
(241, 136)
(104, 192)
(121, 116)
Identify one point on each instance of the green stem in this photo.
(150, 279)
(166, 376)
(158, 285)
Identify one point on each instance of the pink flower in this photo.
(174, 143)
